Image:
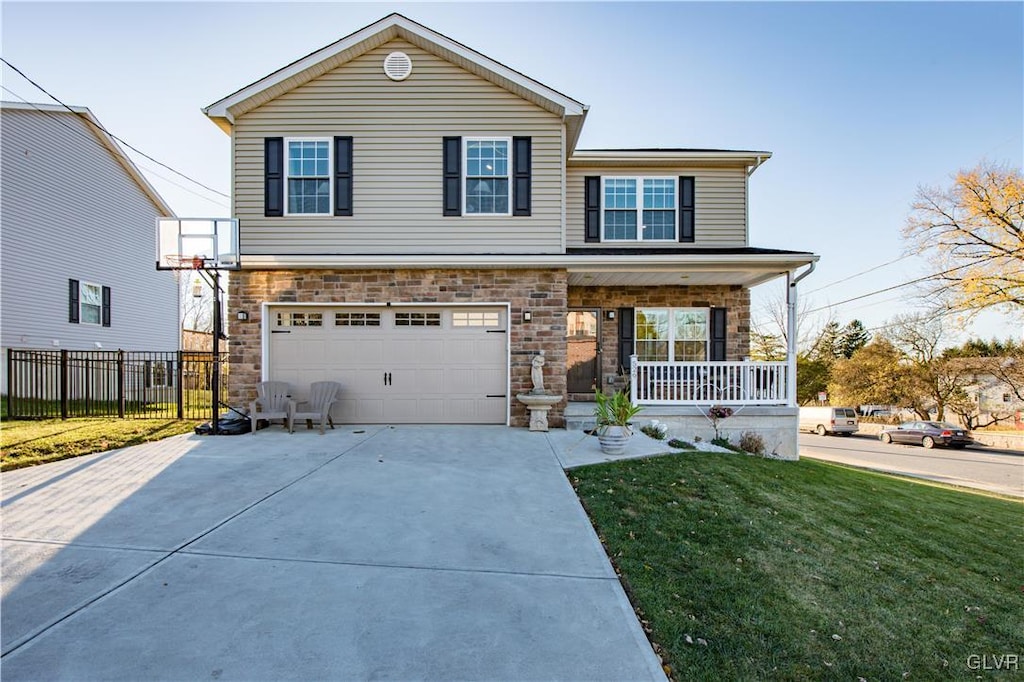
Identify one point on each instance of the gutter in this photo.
(758, 160)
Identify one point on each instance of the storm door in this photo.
(583, 351)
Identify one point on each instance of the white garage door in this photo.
(397, 365)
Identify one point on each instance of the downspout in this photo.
(791, 283)
(751, 169)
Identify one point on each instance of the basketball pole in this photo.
(215, 382)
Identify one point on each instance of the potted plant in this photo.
(614, 414)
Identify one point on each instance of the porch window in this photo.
(672, 334)
(639, 209)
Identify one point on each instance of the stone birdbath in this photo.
(538, 401)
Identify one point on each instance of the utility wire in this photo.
(863, 272)
(115, 137)
(93, 140)
(900, 286)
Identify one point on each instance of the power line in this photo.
(899, 286)
(115, 137)
(92, 139)
(863, 272)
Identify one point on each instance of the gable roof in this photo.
(103, 138)
(224, 111)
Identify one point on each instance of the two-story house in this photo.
(77, 243)
(417, 223)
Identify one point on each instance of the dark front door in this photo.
(584, 351)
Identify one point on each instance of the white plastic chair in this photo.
(322, 395)
(272, 401)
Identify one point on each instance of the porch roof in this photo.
(685, 266)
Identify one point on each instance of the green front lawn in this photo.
(27, 442)
(747, 568)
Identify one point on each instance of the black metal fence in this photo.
(125, 384)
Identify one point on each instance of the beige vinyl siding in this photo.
(397, 130)
(720, 199)
(70, 210)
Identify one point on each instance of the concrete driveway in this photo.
(396, 553)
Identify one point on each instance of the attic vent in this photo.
(397, 66)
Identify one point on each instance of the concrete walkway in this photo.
(408, 553)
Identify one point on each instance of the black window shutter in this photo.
(686, 233)
(625, 338)
(718, 334)
(342, 176)
(273, 170)
(106, 307)
(522, 163)
(73, 301)
(592, 208)
(452, 169)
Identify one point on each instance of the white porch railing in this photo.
(707, 383)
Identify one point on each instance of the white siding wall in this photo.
(70, 211)
(398, 129)
(720, 202)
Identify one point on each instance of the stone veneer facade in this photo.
(545, 293)
(735, 299)
(542, 292)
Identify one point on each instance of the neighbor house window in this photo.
(639, 209)
(90, 303)
(308, 168)
(671, 334)
(486, 173)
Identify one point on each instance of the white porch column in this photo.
(790, 340)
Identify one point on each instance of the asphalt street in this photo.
(978, 467)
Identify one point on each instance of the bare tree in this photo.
(973, 233)
(196, 301)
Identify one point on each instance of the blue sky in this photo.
(858, 102)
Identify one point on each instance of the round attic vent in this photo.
(397, 66)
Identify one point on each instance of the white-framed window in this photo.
(672, 334)
(639, 209)
(486, 170)
(90, 303)
(307, 165)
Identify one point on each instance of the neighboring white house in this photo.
(77, 237)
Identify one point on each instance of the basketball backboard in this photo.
(194, 243)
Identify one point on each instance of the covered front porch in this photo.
(671, 327)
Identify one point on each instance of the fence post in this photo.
(10, 379)
(179, 391)
(120, 384)
(63, 383)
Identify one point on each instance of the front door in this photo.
(583, 350)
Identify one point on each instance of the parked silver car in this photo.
(928, 434)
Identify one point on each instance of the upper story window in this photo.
(672, 334)
(88, 303)
(308, 167)
(639, 209)
(486, 174)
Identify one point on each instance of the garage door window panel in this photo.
(417, 319)
(476, 319)
(357, 319)
(294, 319)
